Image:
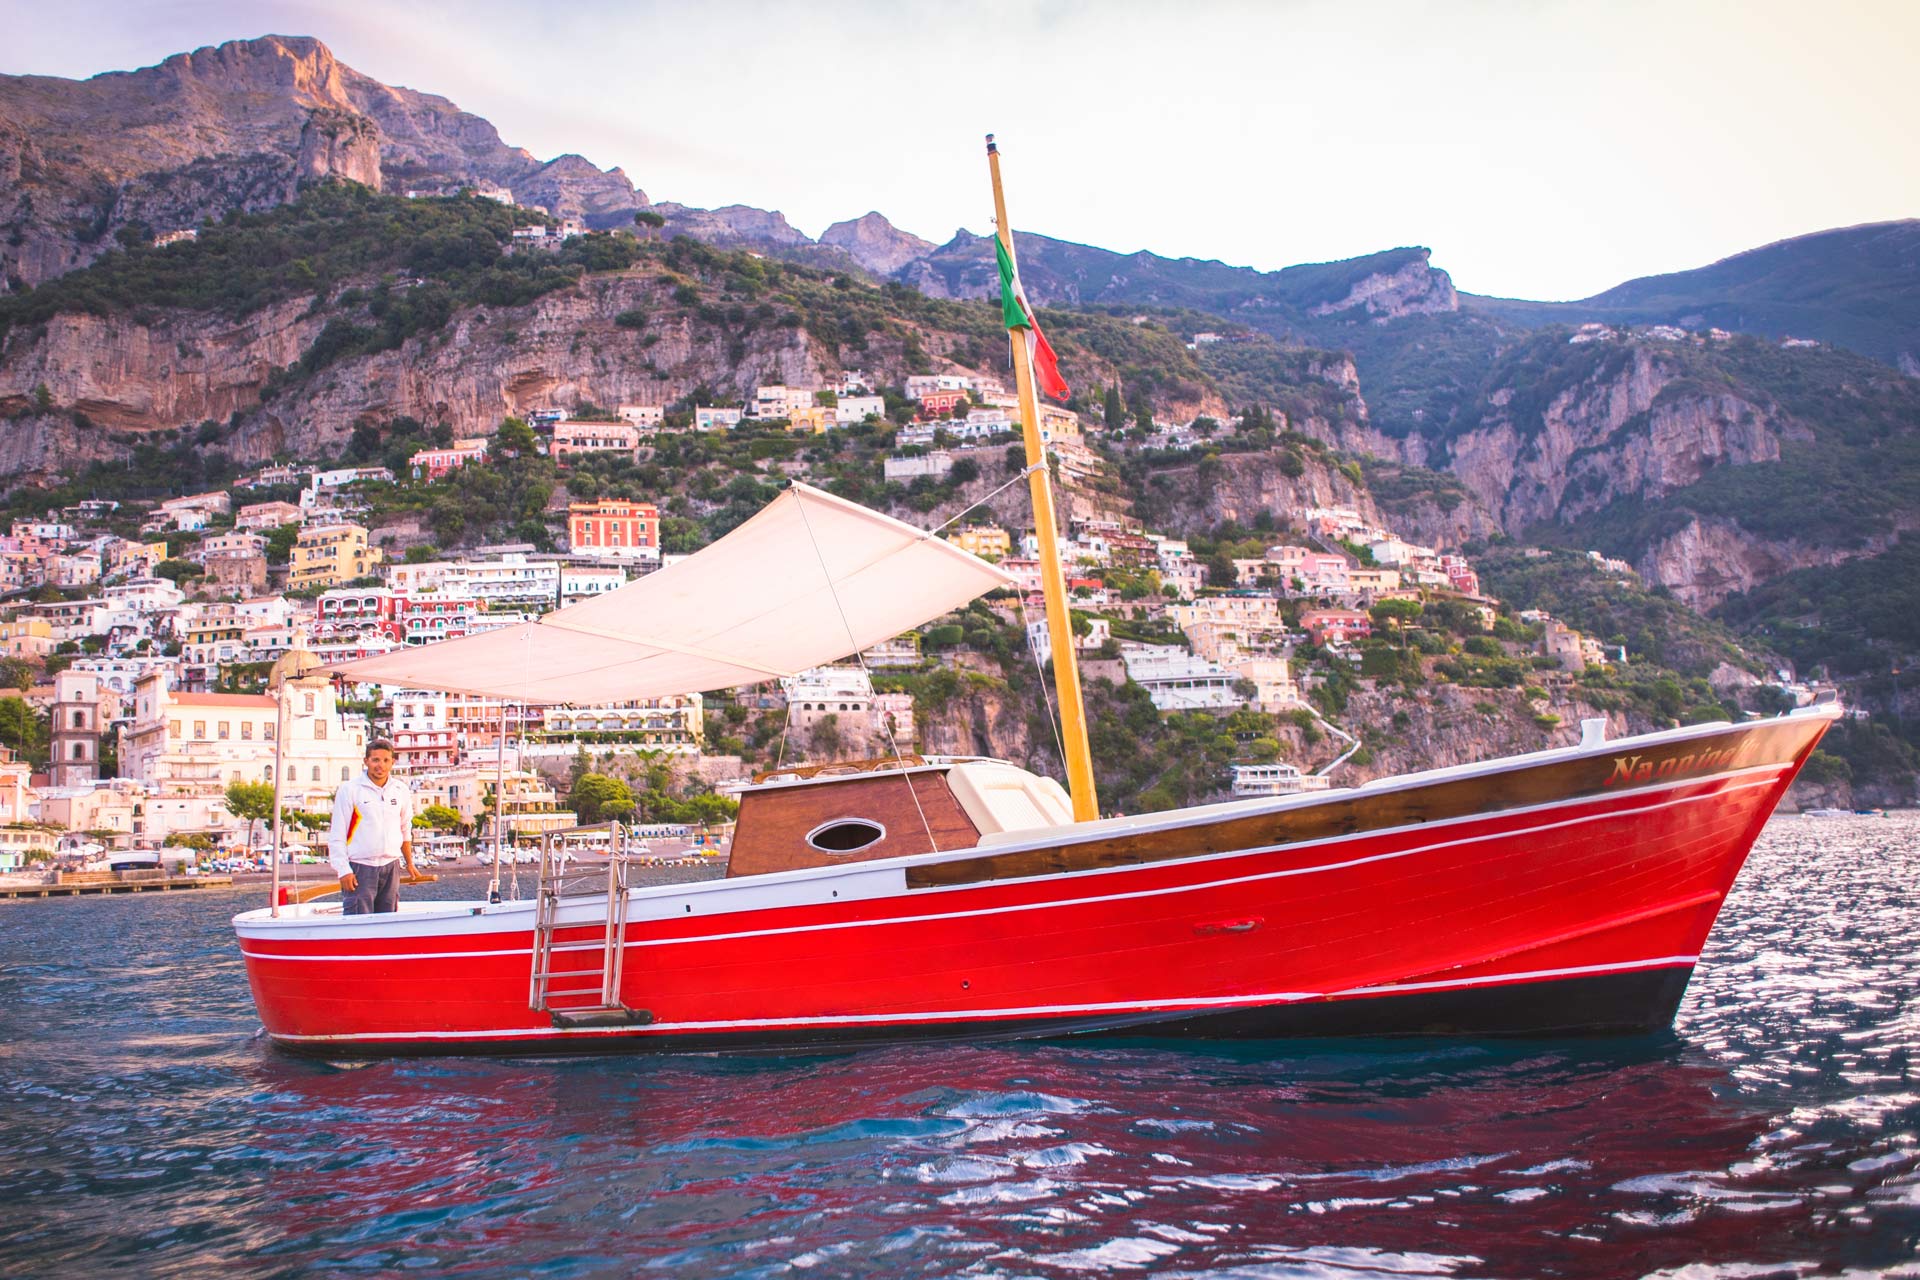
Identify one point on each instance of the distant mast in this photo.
(1066, 666)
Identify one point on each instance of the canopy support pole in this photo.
(499, 798)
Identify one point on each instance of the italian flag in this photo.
(1018, 314)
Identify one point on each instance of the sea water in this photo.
(145, 1130)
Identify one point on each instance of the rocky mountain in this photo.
(1852, 287)
(876, 244)
(1717, 466)
(241, 126)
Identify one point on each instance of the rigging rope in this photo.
(860, 657)
(1040, 671)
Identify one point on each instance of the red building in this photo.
(940, 404)
(400, 616)
(1336, 624)
(613, 527)
(1460, 575)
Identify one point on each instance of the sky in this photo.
(1541, 149)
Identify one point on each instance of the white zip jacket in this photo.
(369, 823)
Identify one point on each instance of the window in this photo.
(225, 729)
(290, 774)
(309, 704)
(173, 728)
(320, 729)
(845, 835)
(316, 773)
(199, 730)
(266, 731)
(343, 773)
(79, 751)
(246, 731)
(79, 720)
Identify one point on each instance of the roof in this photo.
(249, 701)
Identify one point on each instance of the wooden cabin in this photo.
(828, 815)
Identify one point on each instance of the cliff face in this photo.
(240, 125)
(734, 226)
(1241, 487)
(1415, 288)
(122, 375)
(1705, 561)
(1633, 429)
(338, 144)
(126, 376)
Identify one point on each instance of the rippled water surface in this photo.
(1776, 1132)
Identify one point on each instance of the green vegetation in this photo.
(24, 730)
(1857, 618)
(597, 797)
(252, 801)
(439, 817)
(1419, 373)
(333, 234)
(1654, 627)
(1398, 488)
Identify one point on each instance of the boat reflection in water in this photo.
(1366, 1148)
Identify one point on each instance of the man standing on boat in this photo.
(372, 834)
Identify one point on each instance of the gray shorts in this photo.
(376, 888)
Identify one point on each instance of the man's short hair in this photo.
(382, 744)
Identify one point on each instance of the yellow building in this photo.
(816, 419)
(26, 638)
(982, 540)
(329, 555)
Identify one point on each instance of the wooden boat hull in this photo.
(1567, 893)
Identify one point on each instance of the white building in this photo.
(935, 465)
(707, 418)
(856, 409)
(1179, 681)
(581, 582)
(190, 743)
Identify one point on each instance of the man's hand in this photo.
(349, 881)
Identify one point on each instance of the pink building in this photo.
(431, 464)
(594, 437)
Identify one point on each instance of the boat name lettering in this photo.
(1631, 769)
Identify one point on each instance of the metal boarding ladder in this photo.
(599, 988)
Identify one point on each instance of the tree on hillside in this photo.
(439, 817)
(20, 728)
(598, 798)
(1115, 411)
(514, 438)
(252, 801)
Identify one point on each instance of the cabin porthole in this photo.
(846, 835)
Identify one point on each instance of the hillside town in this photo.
(142, 661)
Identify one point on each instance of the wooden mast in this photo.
(1066, 666)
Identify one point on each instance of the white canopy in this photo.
(809, 579)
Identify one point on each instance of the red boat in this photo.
(1568, 892)
(1565, 892)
